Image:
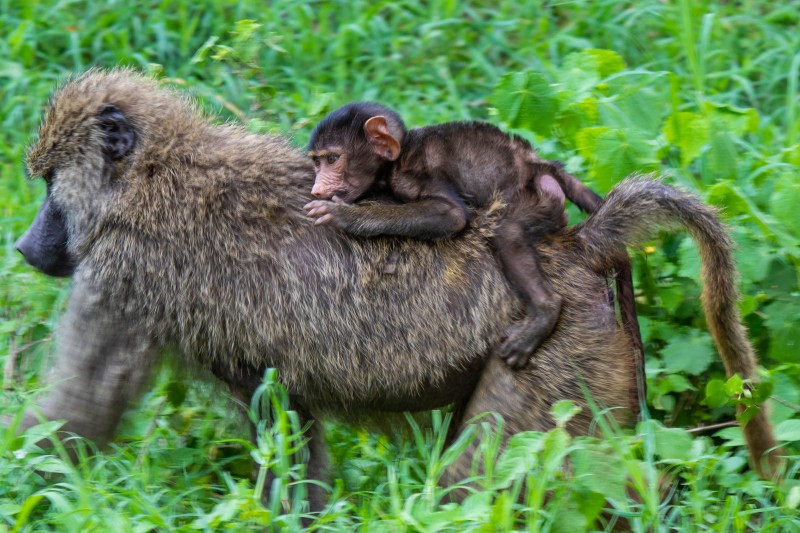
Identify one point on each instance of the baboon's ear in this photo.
(383, 143)
(119, 134)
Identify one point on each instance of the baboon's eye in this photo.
(332, 158)
(315, 160)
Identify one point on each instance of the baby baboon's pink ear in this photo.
(382, 141)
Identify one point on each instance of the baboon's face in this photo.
(330, 167)
(44, 244)
(75, 162)
(350, 146)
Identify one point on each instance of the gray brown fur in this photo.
(197, 240)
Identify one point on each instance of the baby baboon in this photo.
(186, 234)
(440, 172)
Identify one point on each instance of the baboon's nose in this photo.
(21, 246)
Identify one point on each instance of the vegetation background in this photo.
(704, 92)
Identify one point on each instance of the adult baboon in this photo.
(192, 235)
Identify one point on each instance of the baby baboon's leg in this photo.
(530, 217)
(542, 305)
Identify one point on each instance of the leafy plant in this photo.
(705, 93)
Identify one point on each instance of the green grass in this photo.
(704, 92)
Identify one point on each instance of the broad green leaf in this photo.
(599, 468)
(786, 389)
(736, 120)
(526, 100)
(584, 70)
(577, 80)
(41, 431)
(556, 442)
(729, 199)
(608, 62)
(668, 383)
(438, 518)
(690, 353)
(732, 463)
(633, 110)
(590, 504)
(569, 517)
(664, 402)
(784, 331)
(781, 280)
(733, 201)
(689, 132)
(689, 260)
(603, 62)
(143, 525)
(721, 157)
(673, 444)
(612, 155)
(785, 202)
(520, 456)
(678, 383)
(646, 328)
(9, 509)
(734, 386)
(575, 116)
(748, 414)
(671, 296)
(587, 140)
(748, 304)
(788, 431)
(753, 257)
(785, 343)
(715, 393)
(763, 391)
(563, 411)
(54, 465)
(727, 123)
(619, 155)
(657, 329)
(475, 506)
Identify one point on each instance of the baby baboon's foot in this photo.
(520, 343)
(526, 336)
(517, 348)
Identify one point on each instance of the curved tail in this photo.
(632, 212)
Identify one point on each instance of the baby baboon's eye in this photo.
(332, 158)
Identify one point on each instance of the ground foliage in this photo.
(705, 92)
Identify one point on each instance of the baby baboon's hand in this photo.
(328, 212)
